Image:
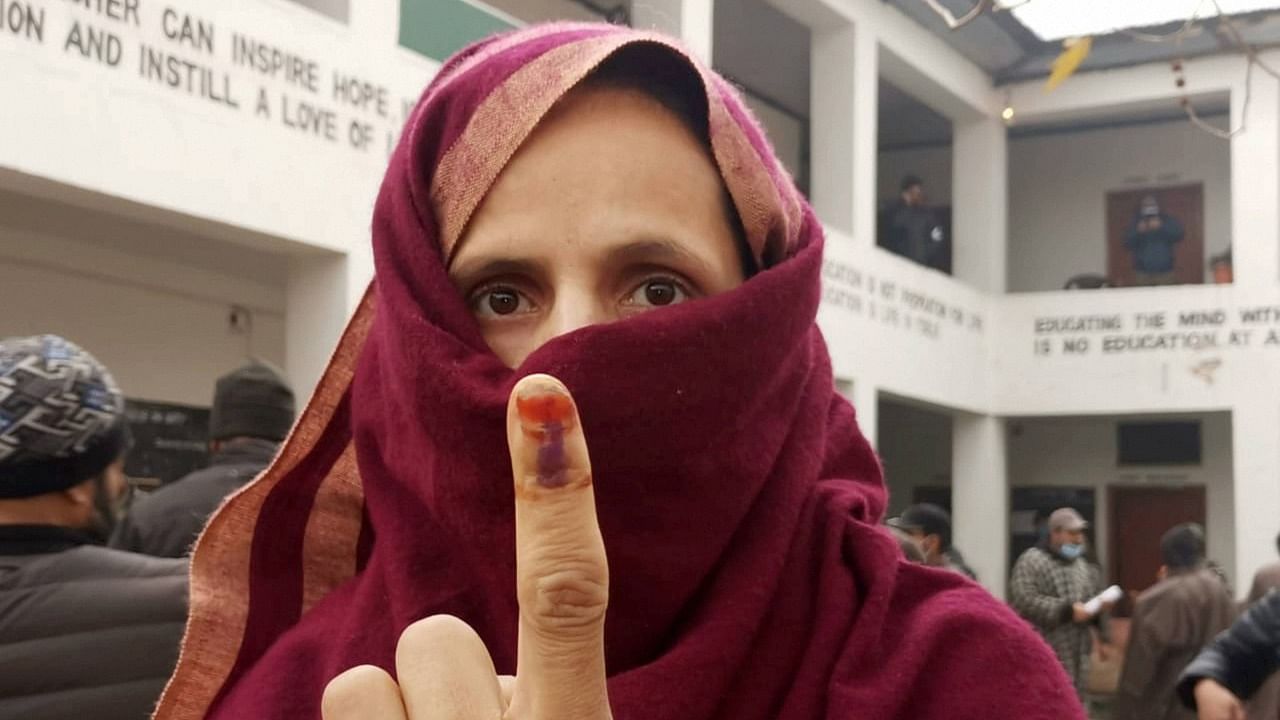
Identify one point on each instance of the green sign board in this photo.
(439, 28)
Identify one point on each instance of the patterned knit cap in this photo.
(61, 416)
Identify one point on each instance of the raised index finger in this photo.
(562, 574)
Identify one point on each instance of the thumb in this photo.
(562, 574)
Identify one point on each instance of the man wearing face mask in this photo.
(1049, 587)
(929, 527)
(84, 631)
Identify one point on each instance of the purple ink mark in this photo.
(551, 460)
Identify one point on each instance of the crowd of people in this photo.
(1183, 659)
(542, 288)
(93, 594)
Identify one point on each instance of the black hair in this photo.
(911, 181)
(657, 71)
(1182, 547)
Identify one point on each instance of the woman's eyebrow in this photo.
(487, 266)
(656, 250)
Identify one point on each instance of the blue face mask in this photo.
(1071, 551)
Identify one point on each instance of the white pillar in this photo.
(1255, 185)
(315, 313)
(980, 196)
(980, 497)
(689, 20)
(375, 20)
(866, 401)
(844, 90)
(359, 273)
(1255, 440)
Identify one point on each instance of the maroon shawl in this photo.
(738, 501)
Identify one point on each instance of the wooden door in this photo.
(1185, 203)
(1139, 518)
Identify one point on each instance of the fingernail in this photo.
(546, 413)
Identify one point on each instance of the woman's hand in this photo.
(1215, 702)
(443, 668)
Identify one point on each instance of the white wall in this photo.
(1058, 186)
(152, 301)
(257, 169)
(1145, 350)
(161, 342)
(1081, 452)
(896, 327)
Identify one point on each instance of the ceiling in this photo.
(1009, 52)
(28, 215)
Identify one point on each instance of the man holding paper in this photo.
(1050, 587)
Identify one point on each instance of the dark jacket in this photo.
(1172, 623)
(85, 631)
(912, 231)
(1153, 249)
(1265, 704)
(1241, 658)
(166, 522)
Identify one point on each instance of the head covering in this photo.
(928, 519)
(1067, 519)
(1182, 546)
(61, 416)
(251, 401)
(1150, 206)
(739, 503)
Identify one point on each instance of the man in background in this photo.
(1172, 622)
(908, 227)
(1049, 586)
(929, 527)
(1151, 241)
(253, 409)
(85, 632)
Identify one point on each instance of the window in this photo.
(1159, 443)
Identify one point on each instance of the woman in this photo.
(553, 188)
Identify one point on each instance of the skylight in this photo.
(1059, 19)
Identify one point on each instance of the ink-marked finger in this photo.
(561, 572)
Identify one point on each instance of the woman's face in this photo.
(612, 207)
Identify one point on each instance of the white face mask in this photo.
(1071, 551)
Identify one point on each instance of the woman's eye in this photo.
(499, 301)
(657, 292)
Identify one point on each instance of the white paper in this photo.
(1109, 595)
